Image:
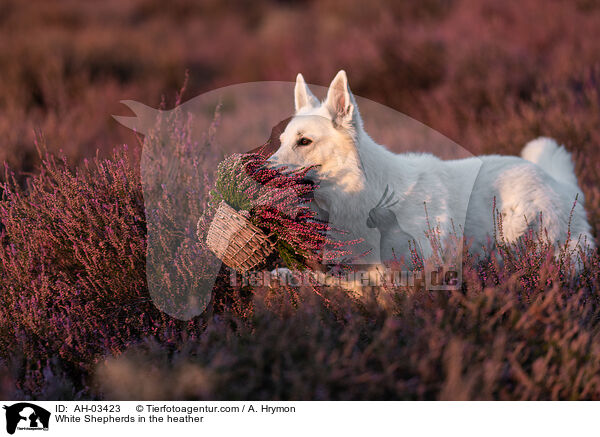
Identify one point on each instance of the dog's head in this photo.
(323, 134)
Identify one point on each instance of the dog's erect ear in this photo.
(303, 96)
(340, 101)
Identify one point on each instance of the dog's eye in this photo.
(304, 141)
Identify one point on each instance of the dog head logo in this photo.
(26, 416)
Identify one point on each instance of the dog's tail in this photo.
(554, 159)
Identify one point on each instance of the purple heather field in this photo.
(77, 320)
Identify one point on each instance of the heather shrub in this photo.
(499, 341)
(77, 320)
(72, 268)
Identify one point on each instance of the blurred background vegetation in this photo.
(473, 70)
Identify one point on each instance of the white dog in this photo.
(354, 171)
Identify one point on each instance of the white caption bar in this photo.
(264, 418)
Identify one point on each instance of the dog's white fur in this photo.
(354, 171)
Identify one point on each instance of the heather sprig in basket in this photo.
(254, 211)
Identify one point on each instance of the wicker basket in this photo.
(236, 241)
